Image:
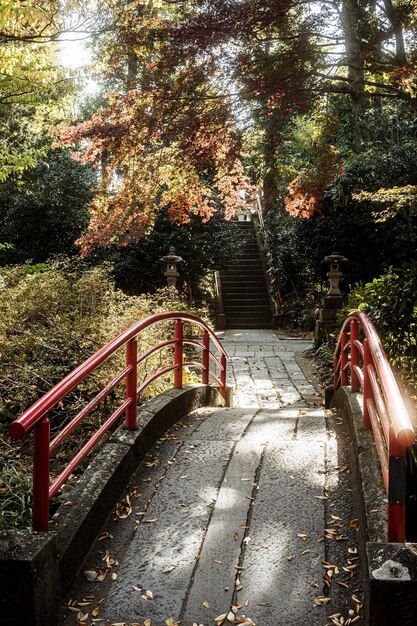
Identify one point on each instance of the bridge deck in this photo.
(237, 512)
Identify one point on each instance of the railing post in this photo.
(396, 490)
(335, 369)
(354, 355)
(40, 505)
(367, 389)
(205, 358)
(131, 383)
(223, 376)
(344, 377)
(178, 353)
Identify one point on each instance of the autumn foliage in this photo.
(305, 193)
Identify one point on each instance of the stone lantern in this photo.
(171, 273)
(332, 301)
(334, 274)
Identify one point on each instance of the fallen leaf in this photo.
(70, 503)
(303, 537)
(150, 521)
(230, 617)
(95, 611)
(168, 568)
(320, 600)
(147, 622)
(263, 603)
(220, 618)
(353, 523)
(206, 604)
(236, 536)
(104, 535)
(246, 540)
(148, 595)
(90, 574)
(291, 557)
(123, 508)
(114, 576)
(137, 588)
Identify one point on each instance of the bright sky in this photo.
(73, 51)
(75, 56)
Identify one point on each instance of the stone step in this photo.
(242, 325)
(248, 303)
(245, 297)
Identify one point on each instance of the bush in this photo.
(391, 303)
(46, 211)
(53, 318)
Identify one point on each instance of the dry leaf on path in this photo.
(90, 574)
(168, 568)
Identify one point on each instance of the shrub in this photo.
(391, 302)
(53, 318)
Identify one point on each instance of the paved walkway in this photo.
(240, 514)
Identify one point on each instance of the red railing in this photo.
(364, 365)
(36, 417)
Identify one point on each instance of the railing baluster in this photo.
(344, 377)
(367, 388)
(205, 358)
(40, 505)
(178, 353)
(396, 490)
(223, 376)
(131, 383)
(354, 355)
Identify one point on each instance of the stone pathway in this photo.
(243, 514)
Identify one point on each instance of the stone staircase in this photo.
(245, 297)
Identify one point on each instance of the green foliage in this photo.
(391, 303)
(53, 318)
(47, 210)
(349, 223)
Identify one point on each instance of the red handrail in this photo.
(36, 417)
(383, 408)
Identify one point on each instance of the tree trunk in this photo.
(392, 15)
(351, 22)
(355, 59)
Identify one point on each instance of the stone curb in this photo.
(390, 569)
(36, 569)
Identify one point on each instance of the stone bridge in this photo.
(239, 515)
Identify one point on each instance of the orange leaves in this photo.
(153, 151)
(305, 193)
